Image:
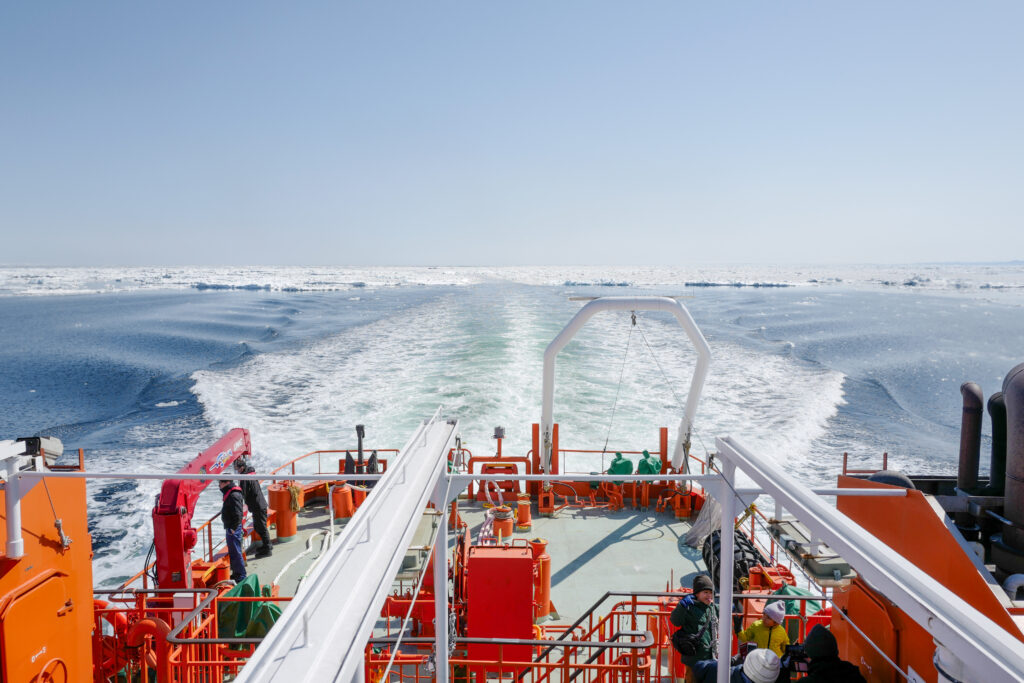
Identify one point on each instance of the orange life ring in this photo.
(109, 649)
(150, 627)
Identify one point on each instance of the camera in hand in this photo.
(795, 659)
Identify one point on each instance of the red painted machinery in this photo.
(500, 590)
(173, 534)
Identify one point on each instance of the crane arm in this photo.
(173, 535)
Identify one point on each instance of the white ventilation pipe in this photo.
(624, 303)
(15, 549)
(1012, 584)
(11, 458)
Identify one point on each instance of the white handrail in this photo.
(322, 633)
(986, 650)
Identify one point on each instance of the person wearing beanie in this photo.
(760, 666)
(697, 615)
(257, 504)
(768, 631)
(231, 514)
(825, 665)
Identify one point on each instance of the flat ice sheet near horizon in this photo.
(68, 280)
(144, 367)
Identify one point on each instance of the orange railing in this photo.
(198, 654)
(319, 459)
(170, 634)
(628, 644)
(605, 648)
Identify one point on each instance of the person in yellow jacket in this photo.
(767, 631)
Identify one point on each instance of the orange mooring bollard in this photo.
(503, 522)
(542, 582)
(523, 521)
(341, 500)
(358, 496)
(281, 503)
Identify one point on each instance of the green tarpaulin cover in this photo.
(620, 465)
(648, 464)
(246, 619)
(793, 606)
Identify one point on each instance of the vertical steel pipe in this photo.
(997, 468)
(1013, 395)
(726, 563)
(970, 453)
(970, 436)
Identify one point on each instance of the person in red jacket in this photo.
(231, 515)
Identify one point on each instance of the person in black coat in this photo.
(231, 515)
(257, 504)
(825, 665)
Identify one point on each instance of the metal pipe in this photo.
(970, 453)
(1013, 505)
(997, 467)
(970, 436)
(1012, 584)
(466, 478)
(12, 505)
(648, 640)
(726, 563)
(441, 615)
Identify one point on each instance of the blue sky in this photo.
(510, 132)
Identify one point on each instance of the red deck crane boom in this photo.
(173, 535)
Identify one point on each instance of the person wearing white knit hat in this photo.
(760, 666)
(768, 631)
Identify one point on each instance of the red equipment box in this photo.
(500, 588)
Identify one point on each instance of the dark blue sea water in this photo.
(145, 380)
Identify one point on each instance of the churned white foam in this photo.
(614, 385)
(166, 404)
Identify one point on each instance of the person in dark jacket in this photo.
(825, 665)
(231, 514)
(697, 614)
(252, 492)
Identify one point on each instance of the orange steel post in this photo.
(341, 500)
(523, 520)
(281, 503)
(542, 581)
(534, 487)
(663, 446)
(554, 449)
(503, 522)
(454, 521)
